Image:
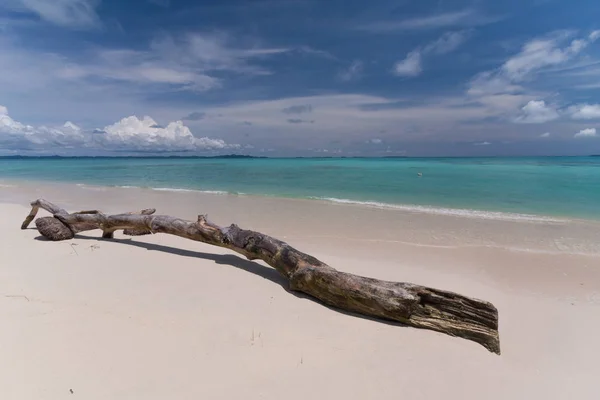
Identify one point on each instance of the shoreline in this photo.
(408, 208)
(452, 230)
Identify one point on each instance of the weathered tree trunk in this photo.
(410, 304)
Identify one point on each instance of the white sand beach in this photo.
(161, 317)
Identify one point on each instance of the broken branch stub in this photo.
(410, 304)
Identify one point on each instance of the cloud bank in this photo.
(129, 134)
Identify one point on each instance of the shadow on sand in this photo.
(255, 268)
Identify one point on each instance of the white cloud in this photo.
(20, 136)
(446, 43)
(9, 125)
(536, 112)
(491, 83)
(467, 17)
(482, 144)
(375, 141)
(589, 132)
(131, 134)
(410, 66)
(585, 111)
(540, 53)
(535, 55)
(68, 13)
(145, 134)
(353, 72)
(545, 135)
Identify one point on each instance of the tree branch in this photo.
(410, 304)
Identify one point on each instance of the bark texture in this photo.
(410, 304)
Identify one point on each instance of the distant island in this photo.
(226, 156)
(245, 157)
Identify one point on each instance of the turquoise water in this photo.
(555, 186)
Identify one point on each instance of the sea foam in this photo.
(218, 192)
(455, 212)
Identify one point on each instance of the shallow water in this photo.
(552, 186)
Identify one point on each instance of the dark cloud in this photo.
(195, 116)
(375, 141)
(299, 109)
(387, 105)
(299, 121)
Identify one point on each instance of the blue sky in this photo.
(300, 77)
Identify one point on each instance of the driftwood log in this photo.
(410, 304)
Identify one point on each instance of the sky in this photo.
(300, 77)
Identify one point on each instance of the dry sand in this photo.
(160, 317)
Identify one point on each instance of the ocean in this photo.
(566, 187)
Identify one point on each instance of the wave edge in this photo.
(454, 212)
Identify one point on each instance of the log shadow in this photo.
(222, 259)
(235, 261)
